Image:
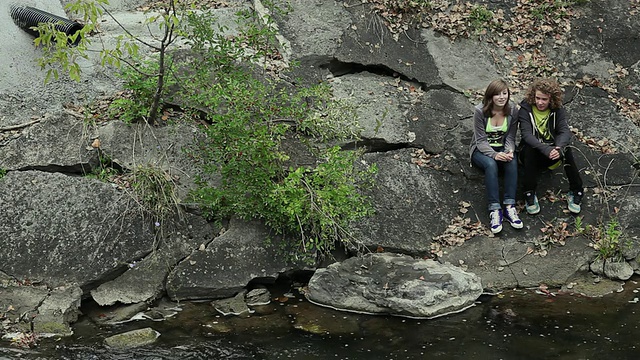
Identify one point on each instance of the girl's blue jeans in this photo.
(491, 168)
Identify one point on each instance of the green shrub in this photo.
(140, 84)
(224, 81)
(250, 117)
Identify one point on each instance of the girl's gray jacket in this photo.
(561, 135)
(479, 139)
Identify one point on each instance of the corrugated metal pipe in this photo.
(27, 17)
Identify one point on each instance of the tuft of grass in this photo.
(155, 188)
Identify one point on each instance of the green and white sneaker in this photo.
(532, 205)
(573, 201)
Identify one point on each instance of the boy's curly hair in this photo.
(546, 86)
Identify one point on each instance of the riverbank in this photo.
(515, 324)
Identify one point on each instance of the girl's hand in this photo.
(506, 157)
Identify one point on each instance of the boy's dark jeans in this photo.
(536, 162)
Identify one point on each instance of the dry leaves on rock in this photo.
(199, 4)
(602, 145)
(552, 234)
(424, 159)
(520, 32)
(457, 232)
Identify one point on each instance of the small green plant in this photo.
(480, 18)
(380, 121)
(555, 9)
(3, 173)
(607, 239)
(579, 225)
(105, 170)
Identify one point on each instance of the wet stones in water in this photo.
(500, 315)
(232, 306)
(118, 314)
(239, 304)
(259, 296)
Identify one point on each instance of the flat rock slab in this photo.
(394, 284)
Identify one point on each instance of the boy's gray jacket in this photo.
(558, 128)
(479, 140)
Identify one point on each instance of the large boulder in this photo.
(55, 142)
(386, 283)
(412, 204)
(62, 229)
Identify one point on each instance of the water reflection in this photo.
(517, 324)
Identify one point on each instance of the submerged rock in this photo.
(257, 297)
(232, 306)
(394, 284)
(132, 339)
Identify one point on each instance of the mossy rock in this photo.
(52, 327)
(132, 339)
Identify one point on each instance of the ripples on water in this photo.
(514, 325)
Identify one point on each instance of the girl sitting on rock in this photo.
(492, 147)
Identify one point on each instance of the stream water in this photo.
(518, 324)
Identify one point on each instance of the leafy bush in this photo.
(248, 113)
(140, 85)
(250, 117)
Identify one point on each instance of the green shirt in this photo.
(495, 135)
(542, 122)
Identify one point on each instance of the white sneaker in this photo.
(496, 221)
(511, 214)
